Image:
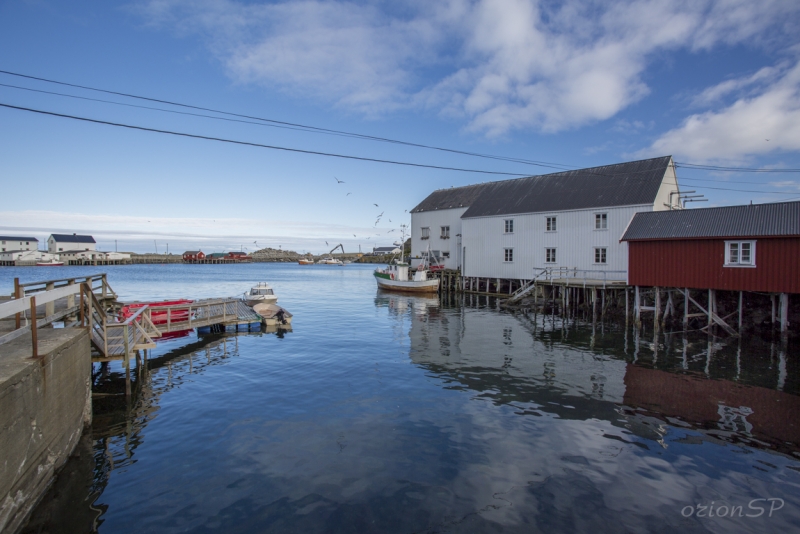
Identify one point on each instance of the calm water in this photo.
(387, 413)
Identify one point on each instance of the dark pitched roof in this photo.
(623, 184)
(455, 197)
(754, 220)
(17, 238)
(73, 238)
(194, 252)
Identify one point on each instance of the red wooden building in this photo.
(735, 248)
(239, 256)
(194, 255)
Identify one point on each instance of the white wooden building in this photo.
(436, 224)
(57, 243)
(572, 219)
(9, 243)
(25, 257)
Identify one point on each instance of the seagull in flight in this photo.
(348, 194)
(326, 244)
(338, 181)
(354, 235)
(376, 205)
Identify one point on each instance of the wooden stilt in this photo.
(772, 299)
(627, 309)
(740, 313)
(784, 312)
(711, 308)
(686, 308)
(657, 311)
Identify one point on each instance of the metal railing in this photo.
(549, 274)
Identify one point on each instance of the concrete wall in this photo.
(45, 404)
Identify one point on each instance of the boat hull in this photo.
(262, 299)
(50, 264)
(427, 286)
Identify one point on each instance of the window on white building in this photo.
(445, 232)
(551, 224)
(600, 255)
(601, 221)
(509, 226)
(740, 253)
(550, 255)
(445, 254)
(426, 232)
(508, 254)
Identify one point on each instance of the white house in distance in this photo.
(571, 219)
(380, 251)
(9, 243)
(69, 242)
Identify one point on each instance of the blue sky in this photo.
(575, 83)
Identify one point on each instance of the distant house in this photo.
(25, 257)
(239, 256)
(216, 256)
(9, 243)
(64, 242)
(194, 255)
(380, 251)
(754, 247)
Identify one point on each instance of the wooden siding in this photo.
(574, 241)
(699, 264)
(435, 220)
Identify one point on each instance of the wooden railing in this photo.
(97, 282)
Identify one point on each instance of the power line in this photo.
(327, 154)
(328, 131)
(259, 145)
(295, 125)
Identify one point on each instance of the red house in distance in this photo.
(194, 255)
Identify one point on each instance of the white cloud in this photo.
(752, 125)
(500, 65)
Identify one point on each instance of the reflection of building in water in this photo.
(723, 409)
(503, 348)
(503, 358)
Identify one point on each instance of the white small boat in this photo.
(330, 261)
(260, 293)
(51, 263)
(273, 315)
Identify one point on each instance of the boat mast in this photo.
(402, 241)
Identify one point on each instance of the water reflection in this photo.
(418, 415)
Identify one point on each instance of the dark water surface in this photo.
(386, 413)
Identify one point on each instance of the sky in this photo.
(561, 85)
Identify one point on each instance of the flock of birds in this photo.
(377, 219)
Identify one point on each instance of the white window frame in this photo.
(739, 263)
(445, 232)
(508, 255)
(426, 232)
(601, 221)
(508, 226)
(551, 224)
(603, 255)
(547, 258)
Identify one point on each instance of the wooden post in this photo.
(34, 332)
(127, 361)
(784, 312)
(18, 294)
(50, 307)
(710, 309)
(740, 314)
(105, 286)
(71, 298)
(637, 307)
(627, 308)
(657, 311)
(83, 317)
(685, 308)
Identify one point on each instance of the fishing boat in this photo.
(51, 263)
(395, 277)
(260, 293)
(305, 261)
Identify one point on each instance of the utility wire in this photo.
(296, 125)
(259, 145)
(327, 154)
(328, 131)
